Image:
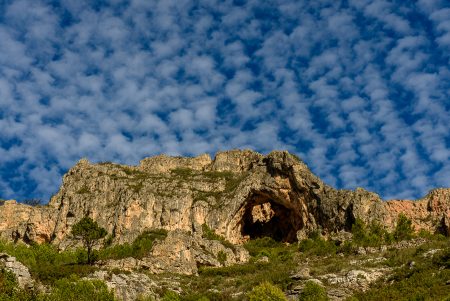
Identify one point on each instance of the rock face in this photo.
(239, 194)
(430, 213)
(26, 223)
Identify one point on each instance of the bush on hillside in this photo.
(313, 292)
(140, 247)
(73, 289)
(316, 245)
(404, 229)
(266, 292)
(171, 296)
(267, 246)
(47, 264)
(370, 236)
(8, 284)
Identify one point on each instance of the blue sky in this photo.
(358, 89)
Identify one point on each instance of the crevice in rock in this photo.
(349, 218)
(266, 217)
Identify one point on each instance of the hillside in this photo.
(233, 222)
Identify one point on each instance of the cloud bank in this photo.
(358, 89)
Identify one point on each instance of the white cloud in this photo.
(364, 101)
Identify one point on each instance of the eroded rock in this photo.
(240, 195)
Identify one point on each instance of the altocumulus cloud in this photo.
(359, 89)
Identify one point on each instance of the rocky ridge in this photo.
(239, 194)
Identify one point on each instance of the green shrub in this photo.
(140, 247)
(404, 229)
(197, 297)
(184, 173)
(73, 289)
(266, 292)
(346, 248)
(232, 280)
(359, 231)
(171, 296)
(10, 291)
(145, 297)
(316, 245)
(256, 246)
(372, 235)
(313, 292)
(222, 257)
(48, 273)
(46, 263)
(108, 241)
(8, 285)
(443, 261)
(144, 242)
(267, 246)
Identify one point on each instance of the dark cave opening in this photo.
(263, 217)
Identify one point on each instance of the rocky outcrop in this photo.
(20, 271)
(130, 286)
(239, 194)
(430, 213)
(181, 253)
(26, 223)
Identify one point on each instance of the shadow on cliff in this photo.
(264, 216)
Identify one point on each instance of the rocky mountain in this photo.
(239, 194)
(209, 208)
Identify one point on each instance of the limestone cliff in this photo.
(239, 194)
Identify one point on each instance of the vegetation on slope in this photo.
(419, 270)
(67, 289)
(140, 247)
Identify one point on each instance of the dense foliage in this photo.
(266, 292)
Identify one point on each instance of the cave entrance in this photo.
(263, 217)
